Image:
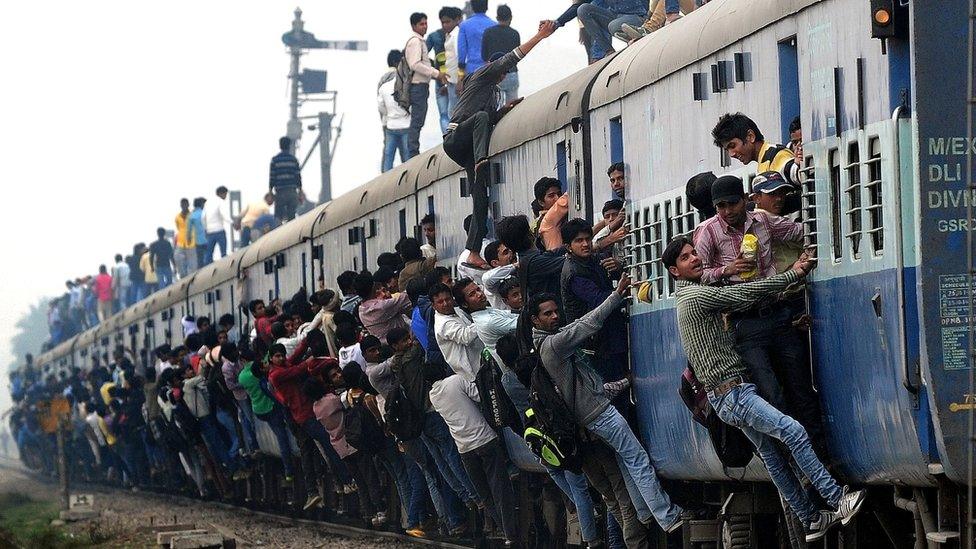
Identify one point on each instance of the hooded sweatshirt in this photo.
(557, 350)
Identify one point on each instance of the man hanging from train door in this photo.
(732, 393)
(469, 132)
(736, 246)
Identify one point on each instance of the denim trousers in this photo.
(446, 502)
(164, 276)
(276, 421)
(215, 240)
(246, 416)
(186, 260)
(419, 93)
(394, 140)
(444, 106)
(742, 407)
(614, 430)
(601, 24)
(778, 362)
(440, 444)
(227, 422)
(203, 258)
(318, 433)
(572, 484)
(509, 87)
(409, 481)
(214, 441)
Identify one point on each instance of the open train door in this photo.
(942, 65)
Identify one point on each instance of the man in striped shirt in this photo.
(715, 362)
(773, 349)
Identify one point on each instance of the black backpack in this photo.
(403, 418)
(731, 445)
(361, 429)
(551, 431)
(496, 406)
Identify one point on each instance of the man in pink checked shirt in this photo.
(773, 349)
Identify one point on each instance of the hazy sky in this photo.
(111, 111)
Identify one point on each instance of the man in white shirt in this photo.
(396, 121)
(456, 335)
(423, 72)
(350, 351)
(216, 219)
(502, 261)
(491, 324)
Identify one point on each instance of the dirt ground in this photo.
(122, 513)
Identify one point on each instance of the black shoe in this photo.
(818, 528)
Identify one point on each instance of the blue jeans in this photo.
(572, 484)
(246, 416)
(215, 443)
(445, 500)
(227, 422)
(742, 407)
(509, 87)
(164, 276)
(601, 24)
(440, 444)
(419, 93)
(444, 107)
(409, 482)
(276, 421)
(213, 241)
(395, 140)
(614, 430)
(203, 258)
(318, 433)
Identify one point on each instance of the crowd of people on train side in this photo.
(435, 378)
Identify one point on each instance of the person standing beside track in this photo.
(285, 180)
(469, 132)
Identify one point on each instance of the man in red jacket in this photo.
(287, 377)
(263, 318)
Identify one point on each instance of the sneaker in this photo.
(375, 521)
(675, 526)
(850, 504)
(621, 35)
(415, 532)
(312, 501)
(350, 488)
(288, 480)
(632, 32)
(818, 528)
(381, 517)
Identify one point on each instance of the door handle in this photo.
(906, 377)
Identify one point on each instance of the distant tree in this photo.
(31, 334)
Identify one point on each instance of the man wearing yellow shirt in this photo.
(150, 271)
(184, 250)
(250, 214)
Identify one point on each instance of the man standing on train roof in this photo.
(468, 134)
(285, 180)
(711, 350)
(740, 137)
(765, 337)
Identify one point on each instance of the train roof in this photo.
(282, 238)
(171, 295)
(712, 27)
(545, 111)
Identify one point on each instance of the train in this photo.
(884, 92)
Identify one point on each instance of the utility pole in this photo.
(308, 82)
(294, 129)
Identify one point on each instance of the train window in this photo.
(465, 191)
(355, 264)
(268, 266)
(616, 140)
(403, 222)
(353, 235)
(430, 204)
(217, 294)
(875, 210)
(208, 298)
(679, 218)
(496, 173)
(698, 82)
(689, 216)
(372, 229)
(808, 201)
(669, 228)
(743, 66)
(561, 172)
(853, 192)
(657, 246)
(833, 161)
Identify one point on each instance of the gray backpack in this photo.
(404, 74)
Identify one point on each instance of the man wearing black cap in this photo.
(466, 140)
(769, 193)
(764, 335)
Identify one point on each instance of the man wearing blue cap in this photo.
(770, 191)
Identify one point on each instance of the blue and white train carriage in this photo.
(888, 139)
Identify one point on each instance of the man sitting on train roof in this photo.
(466, 140)
(733, 395)
(765, 337)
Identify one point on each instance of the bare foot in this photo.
(475, 261)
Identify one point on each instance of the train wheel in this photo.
(737, 532)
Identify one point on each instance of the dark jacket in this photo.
(584, 285)
(415, 377)
(542, 271)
